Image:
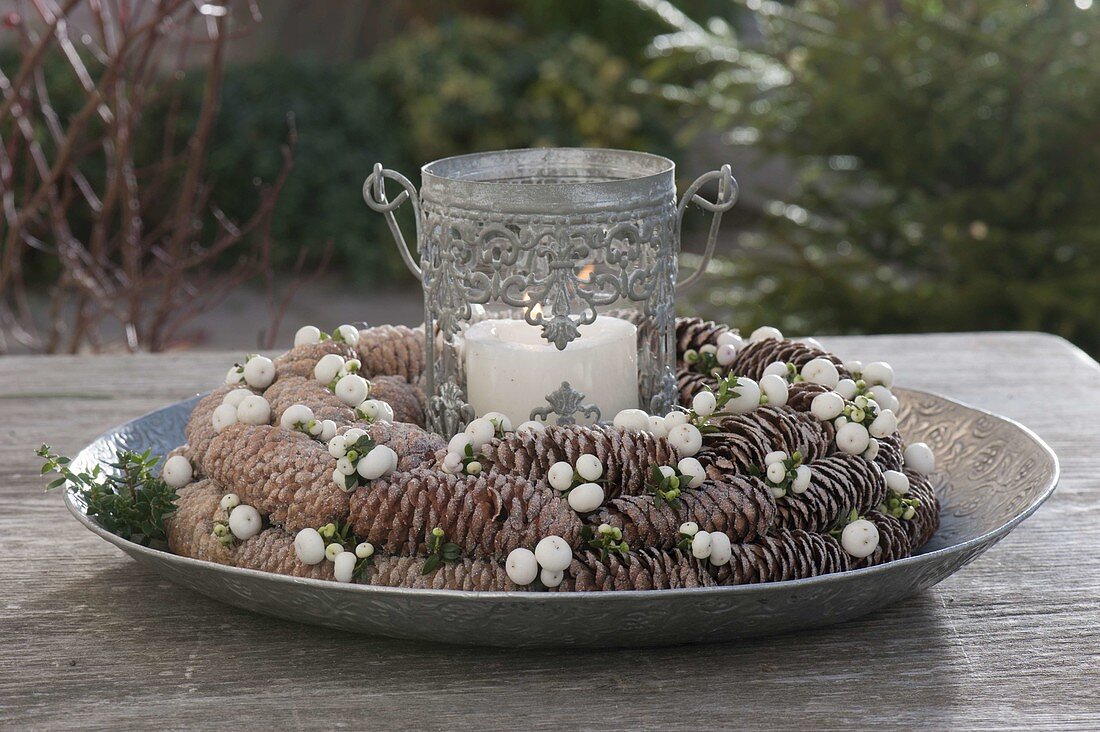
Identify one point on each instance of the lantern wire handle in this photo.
(727, 197)
(374, 193)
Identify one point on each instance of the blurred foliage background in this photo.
(908, 165)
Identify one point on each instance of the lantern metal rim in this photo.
(550, 180)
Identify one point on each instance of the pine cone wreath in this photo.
(647, 569)
(301, 360)
(469, 575)
(783, 555)
(627, 457)
(392, 350)
(285, 475)
(486, 515)
(893, 541)
(738, 505)
(407, 400)
(926, 521)
(839, 484)
(756, 356)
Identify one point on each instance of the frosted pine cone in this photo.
(758, 355)
(738, 505)
(406, 399)
(839, 484)
(926, 521)
(415, 446)
(392, 350)
(890, 452)
(301, 360)
(292, 390)
(694, 333)
(272, 550)
(689, 383)
(200, 429)
(801, 395)
(744, 440)
(893, 541)
(784, 555)
(627, 457)
(469, 575)
(486, 515)
(190, 528)
(648, 569)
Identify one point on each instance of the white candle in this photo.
(511, 369)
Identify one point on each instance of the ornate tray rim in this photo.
(988, 539)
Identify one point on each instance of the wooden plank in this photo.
(89, 640)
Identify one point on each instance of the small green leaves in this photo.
(899, 506)
(606, 539)
(439, 551)
(843, 520)
(665, 484)
(705, 362)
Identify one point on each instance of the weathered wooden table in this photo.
(89, 640)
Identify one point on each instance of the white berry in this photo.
(553, 553)
(294, 415)
(726, 354)
(674, 418)
(667, 471)
(307, 335)
(223, 416)
(589, 467)
(658, 426)
(259, 372)
(776, 456)
(364, 550)
(748, 396)
(345, 466)
(530, 427)
(686, 438)
(521, 566)
(693, 469)
(352, 389)
(333, 550)
(500, 421)
(827, 406)
(459, 443)
(878, 372)
(245, 522)
(704, 403)
(721, 551)
(821, 371)
(852, 438)
(919, 457)
(860, 538)
(776, 368)
(481, 432)
(348, 334)
(701, 545)
(586, 497)
(765, 332)
(328, 430)
(375, 410)
(234, 376)
(551, 578)
(343, 566)
(452, 463)
(802, 476)
(254, 410)
(634, 420)
(777, 472)
(560, 476)
(689, 528)
(177, 471)
(855, 368)
(884, 397)
(473, 468)
(309, 546)
(235, 397)
(354, 434)
(884, 425)
(846, 388)
(872, 449)
(375, 463)
(328, 367)
(229, 501)
(775, 389)
(338, 446)
(896, 481)
(730, 338)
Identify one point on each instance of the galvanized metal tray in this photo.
(991, 474)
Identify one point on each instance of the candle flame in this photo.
(586, 272)
(535, 311)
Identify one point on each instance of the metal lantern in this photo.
(536, 266)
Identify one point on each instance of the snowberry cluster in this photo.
(242, 522)
(858, 536)
(359, 459)
(257, 371)
(578, 482)
(299, 417)
(313, 546)
(712, 546)
(548, 562)
(667, 482)
(676, 426)
(713, 358)
(241, 405)
(462, 451)
(860, 422)
(785, 474)
(309, 334)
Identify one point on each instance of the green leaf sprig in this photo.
(606, 539)
(724, 391)
(704, 361)
(439, 551)
(126, 499)
(837, 528)
(666, 488)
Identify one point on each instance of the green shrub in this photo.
(945, 157)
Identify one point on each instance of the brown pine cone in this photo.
(890, 452)
(738, 505)
(689, 383)
(190, 528)
(893, 541)
(744, 440)
(627, 457)
(301, 360)
(838, 484)
(784, 555)
(407, 400)
(284, 474)
(926, 522)
(694, 333)
(470, 575)
(292, 390)
(200, 429)
(756, 356)
(486, 515)
(272, 550)
(801, 395)
(415, 446)
(647, 569)
(392, 350)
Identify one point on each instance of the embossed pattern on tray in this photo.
(991, 474)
